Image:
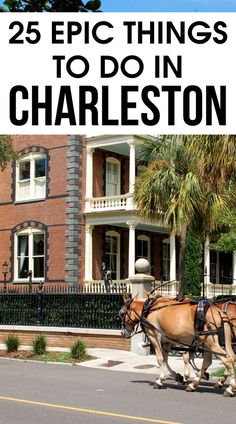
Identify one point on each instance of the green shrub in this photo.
(193, 266)
(78, 350)
(39, 345)
(12, 343)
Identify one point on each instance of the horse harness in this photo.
(200, 320)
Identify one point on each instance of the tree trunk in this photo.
(182, 244)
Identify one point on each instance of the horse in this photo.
(160, 326)
(229, 308)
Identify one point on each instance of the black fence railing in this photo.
(68, 308)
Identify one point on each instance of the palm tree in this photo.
(183, 187)
(168, 190)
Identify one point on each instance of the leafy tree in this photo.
(217, 172)
(168, 190)
(51, 6)
(6, 151)
(225, 240)
(182, 186)
(192, 265)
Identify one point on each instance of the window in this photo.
(112, 177)
(29, 254)
(143, 247)
(31, 177)
(166, 259)
(112, 253)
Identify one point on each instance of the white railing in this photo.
(109, 203)
(213, 290)
(170, 289)
(98, 286)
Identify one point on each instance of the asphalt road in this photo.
(53, 394)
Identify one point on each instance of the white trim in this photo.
(88, 274)
(31, 157)
(29, 231)
(113, 161)
(131, 166)
(172, 257)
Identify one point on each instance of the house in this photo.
(67, 206)
(41, 210)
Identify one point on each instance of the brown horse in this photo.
(173, 323)
(229, 308)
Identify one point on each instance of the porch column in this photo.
(131, 270)
(88, 253)
(206, 267)
(207, 261)
(89, 173)
(234, 268)
(172, 257)
(131, 166)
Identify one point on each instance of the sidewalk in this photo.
(120, 360)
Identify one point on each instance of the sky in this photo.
(169, 5)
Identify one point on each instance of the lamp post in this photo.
(5, 272)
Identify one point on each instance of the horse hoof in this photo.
(206, 376)
(179, 378)
(227, 394)
(189, 389)
(157, 386)
(218, 385)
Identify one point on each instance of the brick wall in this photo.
(51, 212)
(65, 338)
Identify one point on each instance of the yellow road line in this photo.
(87, 411)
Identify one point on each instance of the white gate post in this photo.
(140, 283)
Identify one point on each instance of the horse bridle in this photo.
(128, 330)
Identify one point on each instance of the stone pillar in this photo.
(141, 283)
(131, 166)
(131, 270)
(172, 258)
(89, 253)
(73, 232)
(89, 173)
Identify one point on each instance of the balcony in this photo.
(110, 203)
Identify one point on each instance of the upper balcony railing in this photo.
(110, 203)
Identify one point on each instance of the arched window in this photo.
(143, 247)
(112, 177)
(112, 253)
(31, 177)
(166, 259)
(29, 254)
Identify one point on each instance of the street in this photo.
(34, 392)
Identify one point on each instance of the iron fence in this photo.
(60, 307)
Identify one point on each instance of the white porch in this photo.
(119, 210)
